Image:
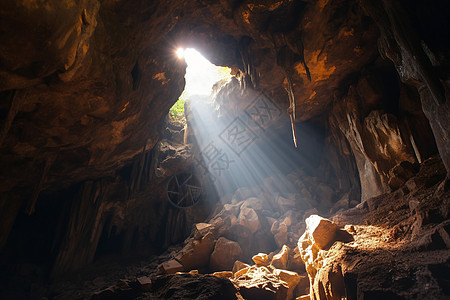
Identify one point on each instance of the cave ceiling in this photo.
(86, 84)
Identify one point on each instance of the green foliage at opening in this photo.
(224, 73)
(177, 110)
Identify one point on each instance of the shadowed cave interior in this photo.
(224, 149)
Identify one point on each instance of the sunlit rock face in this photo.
(381, 243)
(419, 56)
(321, 234)
(384, 127)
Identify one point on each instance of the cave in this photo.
(233, 149)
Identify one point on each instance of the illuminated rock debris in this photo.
(105, 191)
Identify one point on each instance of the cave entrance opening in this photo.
(200, 77)
(241, 136)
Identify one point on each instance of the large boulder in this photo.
(291, 278)
(225, 253)
(280, 259)
(196, 253)
(319, 236)
(249, 219)
(279, 231)
(321, 230)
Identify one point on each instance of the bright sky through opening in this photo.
(201, 75)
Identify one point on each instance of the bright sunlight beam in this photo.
(180, 53)
(201, 75)
(234, 148)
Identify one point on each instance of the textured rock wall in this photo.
(410, 39)
(85, 85)
(84, 88)
(382, 126)
(390, 247)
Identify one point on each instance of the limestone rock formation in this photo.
(354, 269)
(196, 253)
(87, 150)
(320, 235)
(225, 253)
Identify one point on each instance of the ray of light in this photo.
(230, 159)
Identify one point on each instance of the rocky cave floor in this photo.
(394, 246)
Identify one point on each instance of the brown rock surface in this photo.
(249, 219)
(280, 259)
(171, 267)
(382, 245)
(261, 260)
(187, 286)
(201, 229)
(197, 252)
(279, 231)
(291, 278)
(260, 283)
(145, 283)
(118, 69)
(85, 87)
(238, 265)
(225, 253)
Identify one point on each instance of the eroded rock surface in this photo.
(85, 153)
(390, 239)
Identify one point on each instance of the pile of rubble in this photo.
(258, 219)
(280, 275)
(265, 219)
(397, 247)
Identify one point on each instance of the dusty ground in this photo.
(401, 246)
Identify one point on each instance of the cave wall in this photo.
(384, 126)
(410, 37)
(85, 87)
(125, 216)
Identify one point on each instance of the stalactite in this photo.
(410, 136)
(136, 173)
(132, 178)
(84, 228)
(47, 165)
(292, 110)
(250, 77)
(285, 59)
(408, 40)
(14, 106)
(148, 166)
(140, 170)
